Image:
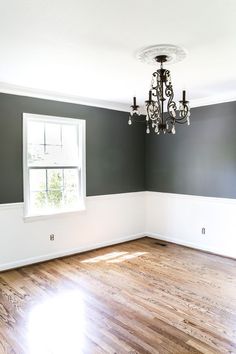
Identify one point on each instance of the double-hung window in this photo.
(54, 164)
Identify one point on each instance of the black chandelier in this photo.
(161, 116)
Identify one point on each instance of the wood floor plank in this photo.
(136, 297)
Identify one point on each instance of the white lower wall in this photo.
(115, 218)
(180, 218)
(107, 220)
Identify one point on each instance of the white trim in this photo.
(209, 101)
(191, 197)
(25, 165)
(7, 206)
(124, 107)
(38, 217)
(181, 242)
(90, 198)
(60, 97)
(82, 159)
(117, 195)
(54, 255)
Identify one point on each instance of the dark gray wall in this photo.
(114, 151)
(198, 160)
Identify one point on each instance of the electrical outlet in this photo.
(52, 237)
(203, 231)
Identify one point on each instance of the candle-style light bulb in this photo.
(135, 107)
(134, 111)
(150, 96)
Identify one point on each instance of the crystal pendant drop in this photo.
(173, 129)
(148, 129)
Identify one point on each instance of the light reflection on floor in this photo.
(58, 325)
(104, 257)
(126, 257)
(114, 257)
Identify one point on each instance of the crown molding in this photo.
(211, 100)
(57, 96)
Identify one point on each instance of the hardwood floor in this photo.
(136, 297)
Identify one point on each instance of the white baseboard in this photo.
(47, 257)
(181, 242)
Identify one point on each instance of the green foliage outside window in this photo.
(53, 197)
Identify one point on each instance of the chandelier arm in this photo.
(181, 118)
(184, 114)
(170, 122)
(181, 122)
(171, 105)
(156, 92)
(152, 111)
(170, 119)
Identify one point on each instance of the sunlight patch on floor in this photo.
(104, 257)
(114, 257)
(127, 257)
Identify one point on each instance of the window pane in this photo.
(69, 137)
(71, 186)
(59, 148)
(53, 188)
(35, 133)
(71, 179)
(53, 155)
(70, 144)
(38, 180)
(35, 154)
(55, 198)
(53, 134)
(38, 200)
(55, 179)
(70, 197)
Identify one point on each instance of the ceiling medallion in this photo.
(161, 115)
(173, 53)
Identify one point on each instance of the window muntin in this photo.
(54, 164)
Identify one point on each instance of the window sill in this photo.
(54, 214)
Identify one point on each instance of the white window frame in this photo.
(81, 126)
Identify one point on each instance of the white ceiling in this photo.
(86, 49)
